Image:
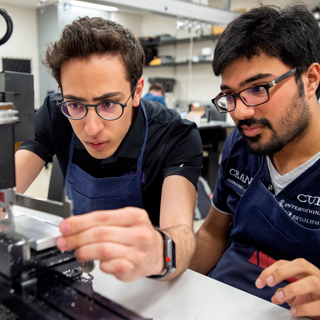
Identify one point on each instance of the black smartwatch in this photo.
(169, 256)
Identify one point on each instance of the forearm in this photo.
(208, 252)
(212, 240)
(185, 243)
(176, 218)
(28, 166)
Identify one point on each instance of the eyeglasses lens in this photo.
(251, 97)
(255, 95)
(109, 110)
(73, 109)
(225, 103)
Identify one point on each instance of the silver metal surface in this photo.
(42, 216)
(40, 234)
(61, 209)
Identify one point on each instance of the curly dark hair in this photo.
(290, 34)
(86, 36)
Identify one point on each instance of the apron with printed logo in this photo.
(263, 232)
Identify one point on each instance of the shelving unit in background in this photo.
(176, 42)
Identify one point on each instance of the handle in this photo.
(8, 19)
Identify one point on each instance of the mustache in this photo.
(251, 121)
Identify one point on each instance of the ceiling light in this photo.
(92, 5)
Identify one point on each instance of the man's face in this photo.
(93, 80)
(269, 127)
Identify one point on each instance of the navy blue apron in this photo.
(90, 194)
(262, 233)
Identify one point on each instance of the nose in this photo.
(94, 124)
(242, 111)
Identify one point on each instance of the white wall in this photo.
(130, 21)
(23, 43)
(51, 22)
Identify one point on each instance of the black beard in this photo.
(296, 121)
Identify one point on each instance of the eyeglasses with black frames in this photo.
(107, 110)
(251, 97)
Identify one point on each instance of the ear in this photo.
(138, 92)
(313, 79)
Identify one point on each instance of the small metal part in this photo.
(88, 266)
(8, 116)
(7, 195)
(87, 277)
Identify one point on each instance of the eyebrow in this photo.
(100, 98)
(249, 80)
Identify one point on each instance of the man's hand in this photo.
(303, 295)
(124, 241)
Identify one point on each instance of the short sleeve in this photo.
(184, 151)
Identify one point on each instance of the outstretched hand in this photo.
(303, 294)
(124, 241)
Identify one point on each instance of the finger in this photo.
(121, 217)
(122, 269)
(261, 281)
(109, 251)
(143, 237)
(280, 298)
(98, 234)
(286, 270)
(307, 309)
(292, 292)
(100, 251)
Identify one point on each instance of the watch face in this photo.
(171, 255)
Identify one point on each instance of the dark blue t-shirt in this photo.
(266, 227)
(300, 199)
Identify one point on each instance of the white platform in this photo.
(190, 297)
